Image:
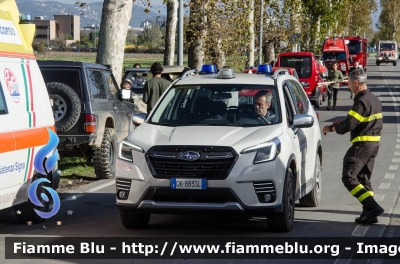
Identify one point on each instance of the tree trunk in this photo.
(218, 54)
(170, 34)
(250, 54)
(112, 36)
(269, 52)
(196, 33)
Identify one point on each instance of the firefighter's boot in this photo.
(363, 214)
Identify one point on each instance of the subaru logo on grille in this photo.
(190, 155)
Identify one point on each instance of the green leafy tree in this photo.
(152, 36)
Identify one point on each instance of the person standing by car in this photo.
(126, 86)
(335, 76)
(356, 65)
(155, 87)
(364, 122)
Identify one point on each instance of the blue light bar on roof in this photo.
(208, 69)
(264, 69)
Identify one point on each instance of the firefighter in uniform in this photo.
(364, 122)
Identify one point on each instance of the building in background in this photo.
(61, 26)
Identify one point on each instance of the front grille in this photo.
(214, 163)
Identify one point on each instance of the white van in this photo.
(25, 115)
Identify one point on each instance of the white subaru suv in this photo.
(204, 148)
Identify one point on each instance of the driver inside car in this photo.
(262, 103)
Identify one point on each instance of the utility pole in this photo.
(180, 33)
(48, 36)
(261, 33)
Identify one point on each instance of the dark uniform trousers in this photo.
(358, 164)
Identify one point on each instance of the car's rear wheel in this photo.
(105, 155)
(283, 221)
(313, 198)
(394, 63)
(377, 63)
(318, 101)
(132, 220)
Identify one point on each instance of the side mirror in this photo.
(303, 121)
(137, 120)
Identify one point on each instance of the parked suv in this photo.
(202, 150)
(91, 118)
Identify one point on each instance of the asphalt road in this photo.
(94, 213)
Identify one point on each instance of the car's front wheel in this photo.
(105, 155)
(133, 220)
(283, 221)
(313, 198)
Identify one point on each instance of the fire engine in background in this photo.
(336, 50)
(358, 51)
(387, 52)
(310, 73)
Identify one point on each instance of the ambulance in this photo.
(26, 118)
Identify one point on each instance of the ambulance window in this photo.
(3, 106)
(97, 84)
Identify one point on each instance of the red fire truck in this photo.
(358, 51)
(336, 50)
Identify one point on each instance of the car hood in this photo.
(148, 135)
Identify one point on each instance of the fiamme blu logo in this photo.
(38, 193)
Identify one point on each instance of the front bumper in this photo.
(386, 59)
(210, 201)
(234, 194)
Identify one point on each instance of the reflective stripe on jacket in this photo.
(364, 120)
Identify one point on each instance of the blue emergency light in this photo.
(264, 69)
(208, 69)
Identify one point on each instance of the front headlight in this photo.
(265, 151)
(126, 148)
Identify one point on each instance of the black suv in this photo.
(91, 118)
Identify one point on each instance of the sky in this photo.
(157, 4)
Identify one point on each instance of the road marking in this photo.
(396, 160)
(360, 230)
(389, 175)
(398, 140)
(397, 153)
(96, 188)
(384, 185)
(379, 197)
(104, 185)
(397, 146)
(393, 167)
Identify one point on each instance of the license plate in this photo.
(193, 184)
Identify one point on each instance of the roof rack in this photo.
(279, 72)
(188, 74)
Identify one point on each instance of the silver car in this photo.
(204, 149)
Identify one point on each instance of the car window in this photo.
(3, 105)
(302, 64)
(216, 104)
(302, 95)
(113, 86)
(70, 77)
(96, 84)
(288, 106)
(296, 97)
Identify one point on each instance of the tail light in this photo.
(90, 123)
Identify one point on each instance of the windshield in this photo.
(217, 105)
(354, 47)
(334, 56)
(386, 46)
(302, 64)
